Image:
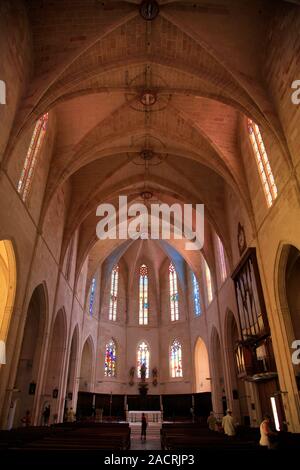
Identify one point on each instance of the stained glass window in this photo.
(110, 359)
(173, 293)
(144, 305)
(92, 295)
(176, 359)
(31, 157)
(196, 295)
(263, 164)
(143, 357)
(209, 290)
(114, 294)
(222, 262)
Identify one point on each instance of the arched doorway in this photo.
(202, 371)
(28, 371)
(239, 395)
(289, 296)
(56, 357)
(86, 366)
(73, 358)
(218, 382)
(8, 281)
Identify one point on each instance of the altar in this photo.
(136, 416)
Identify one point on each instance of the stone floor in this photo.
(153, 437)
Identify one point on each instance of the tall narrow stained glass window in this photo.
(143, 295)
(31, 157)
(143, 358)
(263, 164)
(196, 295)
(222, 262)
(92, 295)
(110, 359)
(176, 359)
(209, 289)
(174, 307)
(113, 301)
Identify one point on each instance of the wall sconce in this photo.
(2, 352)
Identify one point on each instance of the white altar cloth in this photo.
(136, 416)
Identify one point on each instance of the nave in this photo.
(82, 438)
(189, 112)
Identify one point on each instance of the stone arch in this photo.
(202, 369)
(287, 280)
(72, 364)
(86, 366)
(238, 397)
(8, 283)
(218, 376)
(55, 364)
(28, 374)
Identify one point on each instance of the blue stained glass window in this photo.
(196, 295)
(92, 295)
(143, 296)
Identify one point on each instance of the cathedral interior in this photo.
(168, 103)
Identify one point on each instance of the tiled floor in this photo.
(153, 437)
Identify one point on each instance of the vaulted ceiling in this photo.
(93, 64)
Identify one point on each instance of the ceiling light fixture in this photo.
(148, 97)
(149, 10)
(147, 92)
(146, 195)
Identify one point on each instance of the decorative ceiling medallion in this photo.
(152, 151)
(146, 195)
(149, 10)
(147, 92)
(148, 98)
(147, 154)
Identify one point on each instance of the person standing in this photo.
(71, 416)
(26, 420)
(266, 433)
(212, 422)
(46, 415)
(193, 414)
(228, 424)
(144, 426)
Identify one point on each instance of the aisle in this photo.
(153, 437)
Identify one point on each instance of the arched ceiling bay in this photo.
(92, 60)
